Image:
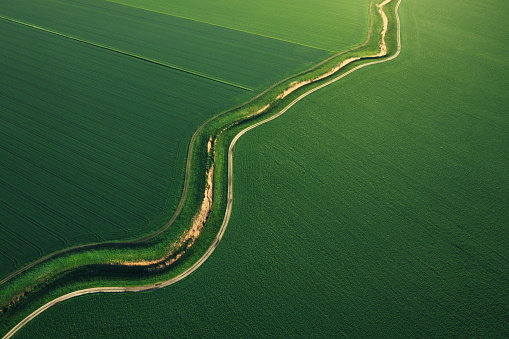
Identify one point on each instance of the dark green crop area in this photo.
(92, 142)
(329, 25)
(245, 59)
(376, 207)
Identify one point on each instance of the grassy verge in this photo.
(90, 268)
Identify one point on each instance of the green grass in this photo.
(235, 57)
(376, 207)
(329, 25)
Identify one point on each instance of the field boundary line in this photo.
(226, 219)
(217, 25)
(139, 57)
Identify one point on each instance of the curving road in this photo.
(228, 207)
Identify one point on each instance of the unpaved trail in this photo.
(383, 46)
(187, 173)
(229, 198)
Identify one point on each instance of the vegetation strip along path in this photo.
(230, 191)
(129, 54)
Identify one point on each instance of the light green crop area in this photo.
(329, 25)
(376, 207)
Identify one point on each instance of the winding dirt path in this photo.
(229, 199)
(187, 173)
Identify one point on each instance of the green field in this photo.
(329, 25)
(376, 207)
(98, 104)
